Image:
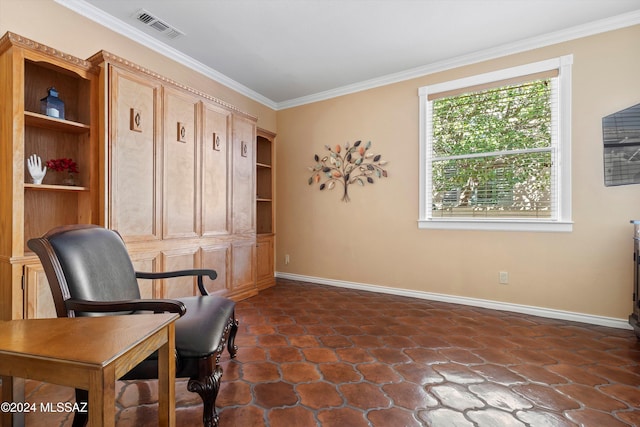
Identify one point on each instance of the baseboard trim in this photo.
(475, 302)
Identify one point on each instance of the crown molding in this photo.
(13, 39)
(97, 15)
(585, 30)
(609, 24)
(107, 57)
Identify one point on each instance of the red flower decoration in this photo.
(61, 165)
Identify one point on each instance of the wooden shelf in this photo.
(48, 187)
(61, 125)
(265, 205)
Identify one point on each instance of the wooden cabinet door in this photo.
(38, 301)
(179, 259)
(134, 160)
(217, 257)
(181, 168)
(215, 170)
(147, 262)
(264, 262)
(243, 269)
(243, 175)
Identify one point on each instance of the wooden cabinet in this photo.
(265, 208)
(28, 210)
(191, 197)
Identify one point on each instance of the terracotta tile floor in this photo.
(313, 355)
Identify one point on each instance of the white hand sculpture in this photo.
(36, 170)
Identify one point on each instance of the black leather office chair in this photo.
(90, 274)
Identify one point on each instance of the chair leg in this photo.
(80, 419)
(231, 347)
(207, 385)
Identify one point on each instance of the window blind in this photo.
(489, 161)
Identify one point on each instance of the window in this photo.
(495, 150)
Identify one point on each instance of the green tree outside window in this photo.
(492, 152)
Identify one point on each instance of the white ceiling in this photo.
(288, 52)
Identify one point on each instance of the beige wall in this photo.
(374, 239)
(47, 22)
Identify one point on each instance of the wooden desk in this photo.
(89, 353)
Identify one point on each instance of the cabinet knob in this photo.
(182, 132)
(135, 120)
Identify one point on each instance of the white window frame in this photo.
(562, 221)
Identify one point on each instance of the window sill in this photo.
(496, 225)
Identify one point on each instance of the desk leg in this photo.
(12, 391)
(7, 396)
(102, 397)
(166, 380)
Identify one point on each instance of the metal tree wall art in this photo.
(354, 164)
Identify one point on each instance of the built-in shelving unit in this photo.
(265, 208)
(29, 210)
(264, 186)
(52, 138)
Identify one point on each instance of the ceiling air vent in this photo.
(156, 23)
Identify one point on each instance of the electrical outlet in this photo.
(287, 260)
(504, 278)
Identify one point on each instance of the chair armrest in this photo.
(155, 305)
(181, 273)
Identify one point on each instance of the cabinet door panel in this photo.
(244, 137)
(218, 258)
(264, 262)
(38, 301)
(147, 262)
(243, 268)
(180, 164)
(215, 168)
(134, 162)
(180, 259)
